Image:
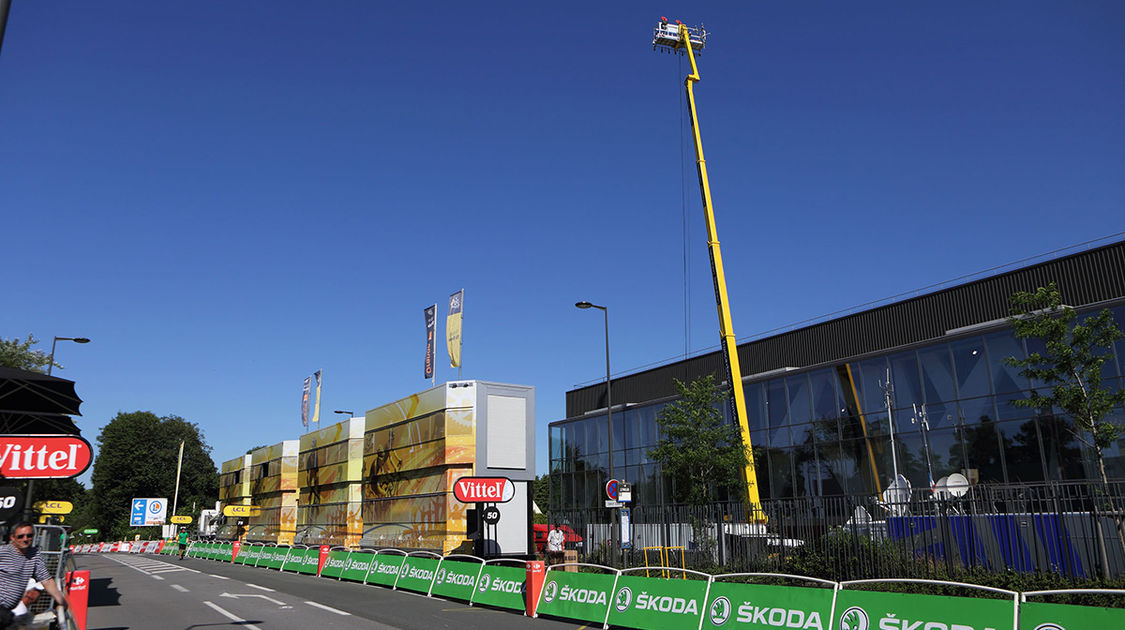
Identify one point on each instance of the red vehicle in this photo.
(539, 532)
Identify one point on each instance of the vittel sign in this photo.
(43, 456)
(484, 490)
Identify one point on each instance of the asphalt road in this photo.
(145, 592)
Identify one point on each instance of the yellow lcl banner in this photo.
(241, 510)
(181, 519)
(53, 507)
(453, 328)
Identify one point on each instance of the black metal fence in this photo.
(1074, 531)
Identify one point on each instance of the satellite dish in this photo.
(941, 488)
(957, 485)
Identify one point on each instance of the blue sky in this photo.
(227, 196)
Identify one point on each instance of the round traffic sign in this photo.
(611, 489)
(491, 515)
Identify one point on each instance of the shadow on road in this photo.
(102, 594)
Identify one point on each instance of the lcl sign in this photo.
(43, 456)
(484, 489)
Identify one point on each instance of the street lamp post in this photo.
(51, 360)
(608, 406)
(348, 413)
(50, 365)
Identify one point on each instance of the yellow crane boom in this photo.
(680, 38)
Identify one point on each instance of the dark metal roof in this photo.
(1087, 277)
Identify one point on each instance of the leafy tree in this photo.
(137, 458)
(18, 354)
(1069, 368)
(700, 452)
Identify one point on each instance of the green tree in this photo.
(18, 354)
(700, 452)
(137, 458)
(1067, 374)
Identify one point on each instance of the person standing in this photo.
(20, 563)
(182, 540)
(555, 540)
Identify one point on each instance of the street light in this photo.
(51, 360)
(349, 414)
(608, 402)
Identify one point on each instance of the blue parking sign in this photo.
(137, 516)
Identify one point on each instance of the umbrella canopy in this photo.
(34, 393)
(36, 423)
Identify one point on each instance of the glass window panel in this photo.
(755, 406)
(976, 410)
(912, 458)
(873, 373)
(800, 407)
(825, 402)
(646, 419)
(982, 447)
(621, 435)
(1061, 449)
(1021, 450)
(1114, 454)
(781, 473)
(762, 468)
(937, 374)
(970, 367)
(777, 410)
(556, 442)
(801, 434)
(807, 464)
(632, 429)
(1001, 346)
(580, 439)
(1035, 345)
(906, 379)
(946, 451)
(597, 435)
(1109, 368)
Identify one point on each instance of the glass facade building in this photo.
(825, 430)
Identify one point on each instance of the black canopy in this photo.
(26, 392)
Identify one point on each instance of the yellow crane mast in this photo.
(678, 38)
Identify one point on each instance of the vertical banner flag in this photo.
(431, 327)
(316, 408)
(305, 401)
(453, 328)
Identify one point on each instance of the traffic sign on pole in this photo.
(611, 489)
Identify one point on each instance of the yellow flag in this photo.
(316, 408)
(453, 328)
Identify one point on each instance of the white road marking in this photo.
(179, 588)
(329, 609)
(155, 577)
(146, 566)
(233, 617)
(218, 577)
(260, 587)
(237, 595)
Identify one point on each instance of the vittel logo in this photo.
(665, 604)
(786, 618)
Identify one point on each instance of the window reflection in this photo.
(906, 379)
(1021, 450)
(1001, 346)
(937, 374)
(970, 367)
